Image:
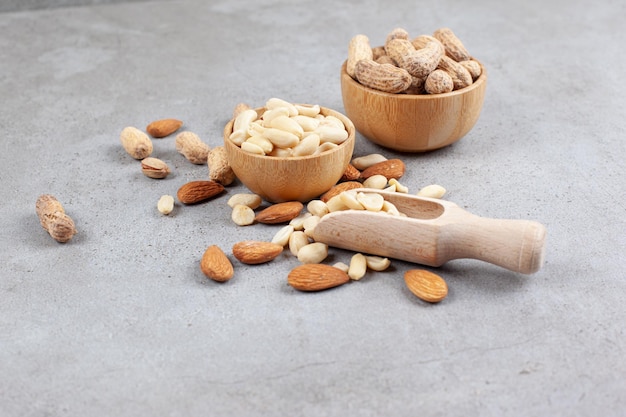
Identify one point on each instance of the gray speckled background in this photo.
(120, 321)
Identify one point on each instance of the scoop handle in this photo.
(517, 245)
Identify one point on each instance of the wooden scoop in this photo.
(434, 232)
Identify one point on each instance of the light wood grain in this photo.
(291, 179)
(435, 232)
(409, 122)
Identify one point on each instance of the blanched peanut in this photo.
(349, 199)
(287, 124)
(270, 115)
(317, 208)
(399, 187)
(242, 215)
(283, 235)
(298, 222)
(313, 253)
(390, 208)
(308, 124)
(342, 266)
(275, 102)
(336, 204)
(297, 240)
(310, 111)
(370, 201)
(377, 181)
(358, 267)
(309, 224)
(432, 191)
(262, 142)
(165, 204)
(252, 148)
(331, 134)
(281, 138)
(251, 200)
(307, 146)
(377, 263)
(363, 162)
(327, 146)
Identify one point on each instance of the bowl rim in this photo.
(349, 127)
(400, 96)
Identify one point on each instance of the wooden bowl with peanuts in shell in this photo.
(288, 152)
(412, 94)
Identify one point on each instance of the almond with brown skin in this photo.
(216, 265)
(350, 174)
(339, 188)
(255, 252)
(391, 168)
(316, 277)
(280, 212)
(197, 191)
(426, 285)
(164, 127)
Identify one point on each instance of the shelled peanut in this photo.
(285, 129)
(426, 64)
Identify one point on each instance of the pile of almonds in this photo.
(426, 64)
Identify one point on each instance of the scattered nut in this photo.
(357, 267)
(426, 285)
(313, 253)
(165, 204)
(191, 147)
(136, 143)
(363, 162)
(391, 168)
(256, 252)
(251, 200)
(280, 212)
(282, 236)
(242, 215)
(219, 169)
(216, 265)
(297, 240)
(154, 168)
(197, 191)
(316, 277)
(53, 218)
(164, 127)
(432, 191)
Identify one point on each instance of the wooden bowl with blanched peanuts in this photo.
(280, 175)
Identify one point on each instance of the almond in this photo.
(255, 252)
(351, 173)
(426, 285)
(216, 265)
(196, 191)
(391, 168)
(339, 188)
(280, 212)
(164, 127)
(316, 277)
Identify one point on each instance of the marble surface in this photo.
(120, 320)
